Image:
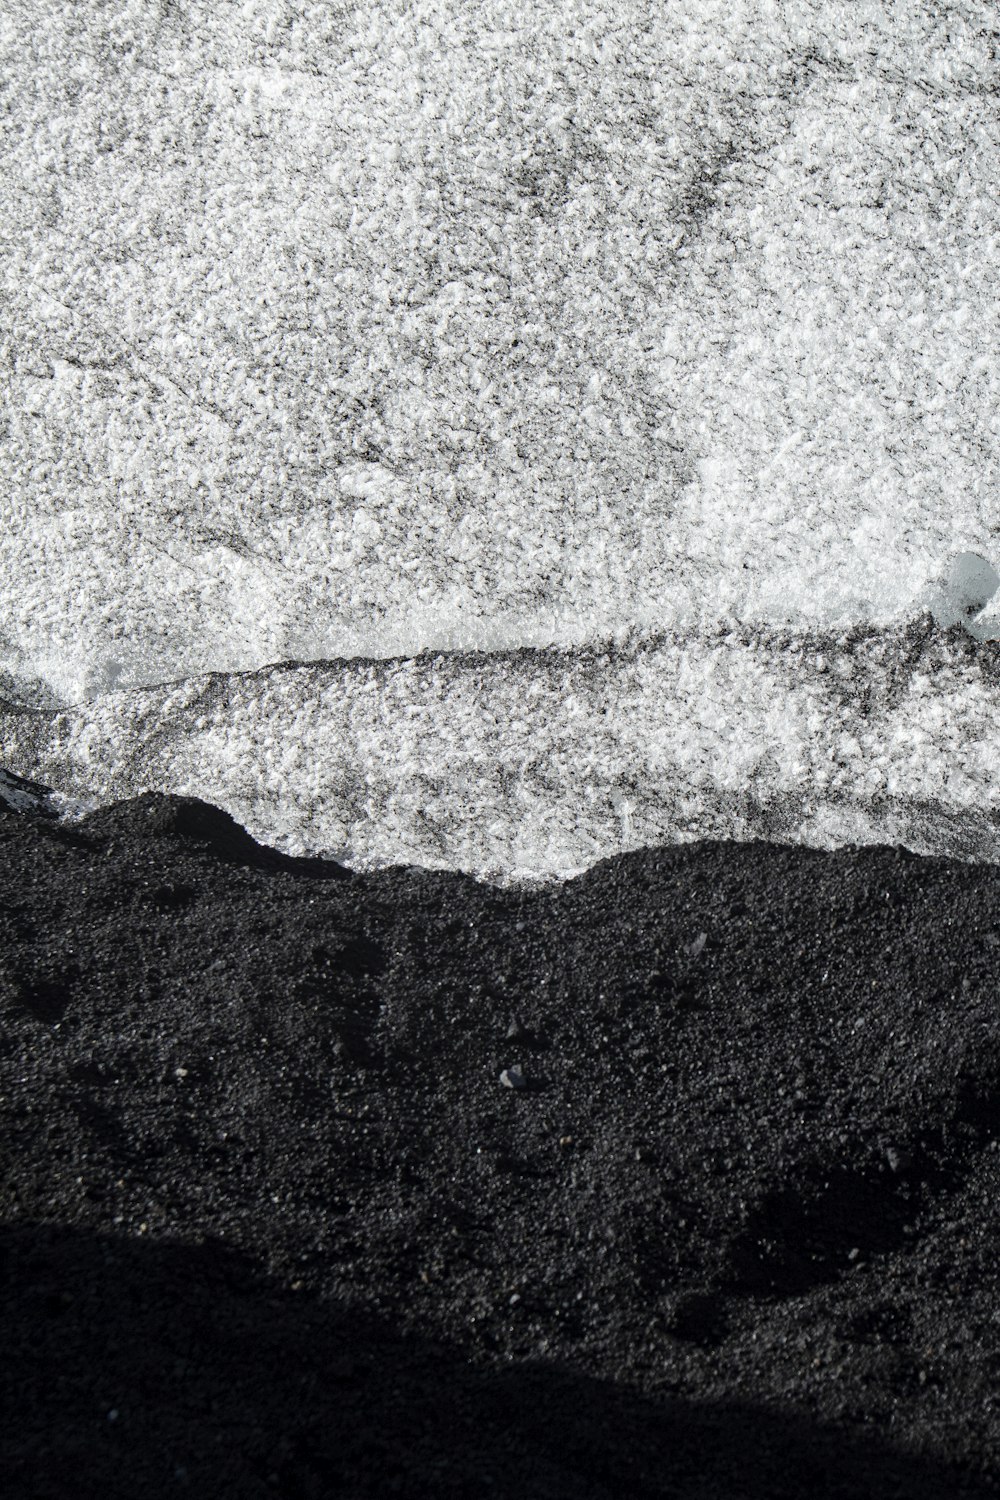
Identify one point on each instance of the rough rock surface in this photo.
(271, 1224)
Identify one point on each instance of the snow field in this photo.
(357, 331)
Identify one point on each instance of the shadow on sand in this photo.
(138, 1368)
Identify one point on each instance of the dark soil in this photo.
(271, 1223)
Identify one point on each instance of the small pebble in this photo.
(513, 1078)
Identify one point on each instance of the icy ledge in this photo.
(537, 764)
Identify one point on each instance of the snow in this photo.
(355, 332)
(535, 764)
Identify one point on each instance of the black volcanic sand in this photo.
(272, 1225)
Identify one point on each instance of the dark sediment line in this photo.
(884, 654)
(274, 1222)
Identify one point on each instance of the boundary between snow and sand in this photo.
(535, 764)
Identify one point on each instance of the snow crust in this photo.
(533, 764)
(334, 332)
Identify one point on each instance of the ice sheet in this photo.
(335, 332)
(354, 330)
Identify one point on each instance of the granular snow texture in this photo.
(272, 1224)
(532, 765)
(351, 329)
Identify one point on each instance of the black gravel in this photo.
(272, 1222)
